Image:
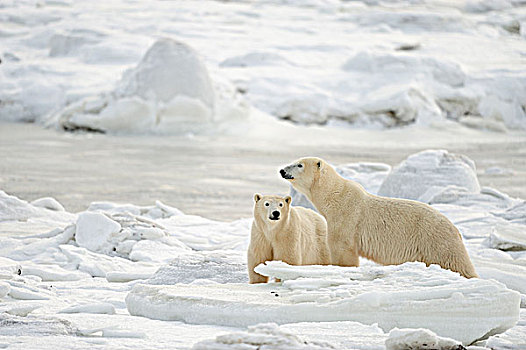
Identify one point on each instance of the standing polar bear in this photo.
(388, 231)
(295, 235)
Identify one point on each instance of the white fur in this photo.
(386, 230)
(299, 237)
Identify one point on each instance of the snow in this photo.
(427, 68)
(425, 175)
(393, 63)
(322, 294)
(168, 265)
(169, 91)
(402, 339)
(94, 230)
(261, 336)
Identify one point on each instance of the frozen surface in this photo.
(392, 63)
(402, 339)
(169, 91)
(424, 175)
(320, 294)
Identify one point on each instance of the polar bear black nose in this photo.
(282, 172)
(275, 214)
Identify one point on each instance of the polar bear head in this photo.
(304, 172)
(271, 209)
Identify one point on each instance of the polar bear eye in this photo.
(281, 204)
(300, 165)
(267, 204)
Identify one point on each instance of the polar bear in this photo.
(388, 231)
(295, 235)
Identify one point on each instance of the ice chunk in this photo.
(9, 268)
(261, 336)
(99, 308)
(430, 170)
(94, 231)
(53, 273)
(421, 339)
(22, 326)
(48, 203)
(507, 237)
(511, 339)
(408, 295)
(169, 91)
(255, 59)
(224, 266)
(4, 289)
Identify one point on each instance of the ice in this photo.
(403, 339)
(423, 175)
(100, 308)
(169, 91)
(423, 62)
(365, 294)
(94, 231)
(507, 237)
(261, 336)
(225, 266)
(512, 338)
(48, 203)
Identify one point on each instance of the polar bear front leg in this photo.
(258, 252)
(343, 254)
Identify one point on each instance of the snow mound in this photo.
(169, 91)
(261, 336)
(425, 175)
(408, 295)
(369, 175)
(216, 266)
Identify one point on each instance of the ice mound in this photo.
(424, 175)
(225, 266)
(169, 91)
(408, 295)
(369, 175)
(261, 336)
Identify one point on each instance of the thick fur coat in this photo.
(295, 235)
(386, 230)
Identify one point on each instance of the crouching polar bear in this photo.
(388, 231)
(295, 235)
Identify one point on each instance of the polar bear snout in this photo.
(286, 175)
(274, 215)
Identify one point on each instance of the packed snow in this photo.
(176, 68)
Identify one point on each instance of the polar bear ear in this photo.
(288, 199)
(257, 197)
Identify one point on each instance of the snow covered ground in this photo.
(200, 105)
(87, 277)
